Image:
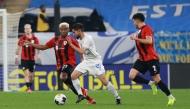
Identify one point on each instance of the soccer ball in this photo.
(60, 99)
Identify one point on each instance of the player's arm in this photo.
(17, 50)
(147, 33)
(16, 54)
(37, 42)
(37, 46)
(76, 48)
(148, 40)
(79, 50)
(48, 45)
(81, 57)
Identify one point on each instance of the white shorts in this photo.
(95, 67)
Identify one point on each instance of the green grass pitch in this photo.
(132, 99)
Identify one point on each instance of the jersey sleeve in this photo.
(87, 42)
(50, 43)
(147, 32)
(37, 41)
(74, 42)
(19, 41)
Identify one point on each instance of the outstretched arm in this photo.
(37, 46)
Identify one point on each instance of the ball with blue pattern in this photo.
(60, 99)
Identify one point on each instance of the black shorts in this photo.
(67, 69)
(28, 64)
(152, 66)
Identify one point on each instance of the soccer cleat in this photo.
(84, 92)
(118, 101)
(80, 98)
(154, 89)
(171, 101)
(91, 101)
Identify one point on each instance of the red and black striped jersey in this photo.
(28, 52)
(146, 51)
(64, 53)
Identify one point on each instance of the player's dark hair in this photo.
(42, 6)
(78, 26)
(139, 16)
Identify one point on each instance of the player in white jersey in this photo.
(91, 63)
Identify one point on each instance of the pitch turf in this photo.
(132, 99)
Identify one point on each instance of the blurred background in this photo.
(109, 22)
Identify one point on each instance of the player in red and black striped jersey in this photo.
(27, 56)
(65, 57)
(148, 58)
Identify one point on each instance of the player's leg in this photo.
(79, 70)
(31, 66)
(154, 69)
(26, 71)
(31, 79)
(139, 67)
(66, 78)
(76, 84)
(110, 87)
(98, 71)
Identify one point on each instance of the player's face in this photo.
(64, 31)
(76, 33)
(43, 9)
(28, 30)
(136, 22)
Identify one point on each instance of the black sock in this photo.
(68, 81)
(88, 97)
(31, 84)
(27, 84)
(141, 80)
(163, 87)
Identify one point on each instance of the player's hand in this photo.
(69, 41)
(133, 37)
(16, 61)
(25, 42)
(38, 57)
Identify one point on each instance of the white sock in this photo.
(112, 90)
(150, 83)
(170, 96)
(76, 84)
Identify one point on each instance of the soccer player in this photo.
(65, 57)
(92, 62)
(27, 56)
(148, 58)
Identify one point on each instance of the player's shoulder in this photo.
(88, 37)
(147, 27)
(71, 38)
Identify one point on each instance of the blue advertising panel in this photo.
(173, 46)
(45, 78)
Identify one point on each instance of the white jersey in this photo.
(90, 52)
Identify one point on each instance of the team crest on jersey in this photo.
(65, 42)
